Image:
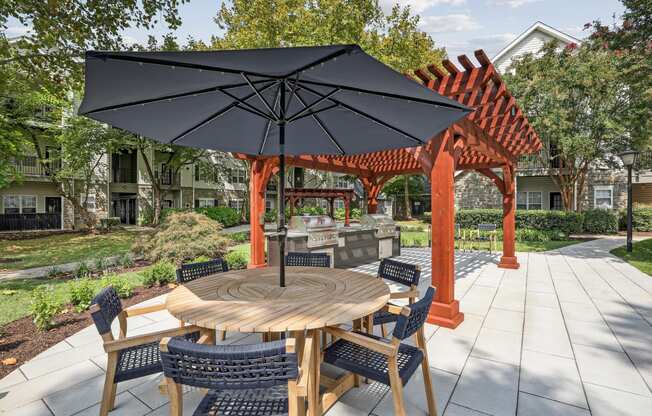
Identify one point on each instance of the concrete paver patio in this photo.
(569, 333)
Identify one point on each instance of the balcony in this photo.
(30, 166)
(124, 175)
(167, 178)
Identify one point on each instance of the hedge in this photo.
(558, 221)
(226, 216)
(600, 221)
(641, 219)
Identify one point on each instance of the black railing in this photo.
(644, 161)
(24, 222)
(30, 165)
(167, 178)
(123, 175)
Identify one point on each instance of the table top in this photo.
(252, 300)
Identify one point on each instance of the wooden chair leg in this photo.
(108, 395)
(383, 330)
(425, 368)
(176, 397)
(222, 335)
(397, 387)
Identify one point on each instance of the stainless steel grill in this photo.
(383, 224)
(321, 229)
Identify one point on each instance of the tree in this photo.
(631, 42)
(402, 187)
(574, 98)
(60, 32)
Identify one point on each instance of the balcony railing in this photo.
(123, 175)
(30, 166)
(24, 222)
(167, 178)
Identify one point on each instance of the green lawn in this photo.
(15, 295)
(640, 257)
(63, 248)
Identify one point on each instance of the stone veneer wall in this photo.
(474, 190)
(605, 177)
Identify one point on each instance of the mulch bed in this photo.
(21, 340)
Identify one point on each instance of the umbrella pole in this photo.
(281, 189)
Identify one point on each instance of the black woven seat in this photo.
(191, 271)
(243, 380)
(384, 317)
(308, 259)
(403, 273)
(371, 364)
(258, 402)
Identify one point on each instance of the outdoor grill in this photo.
(383, 224)
(321, 229)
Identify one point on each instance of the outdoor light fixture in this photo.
(629, 158)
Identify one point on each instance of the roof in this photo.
(537, 26)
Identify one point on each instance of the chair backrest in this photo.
(192, 271)
(408, 325)
(106, 306)
(399, 272)
(487, 227)
(229, 367)
(308, 259)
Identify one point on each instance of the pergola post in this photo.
(331, 207)
(347, 212)
(260, 172)
(445, 310)
(509, 260)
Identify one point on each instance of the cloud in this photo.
(418, 6)
(512, 3)
(448, 23)
(15, 31)
(491, 44)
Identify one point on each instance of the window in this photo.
(28, 204)
(338, 204)
(268, 205)
(205, 202)
(529, 200)
(238, 176)
(88, 202)
(603, 197)
(204, 174)
(12, 204)
(236, 204)
(342, 182)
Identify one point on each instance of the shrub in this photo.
(102, 264)
(53, 272)
(270, 216)
(236, 260)
(200, 259)
(126, 260)
(181, 237)
(81, 293)
(226, 216)
(161, 273)
(44, 307)
(641, 219)
(566, 222)
(82, 270)
(600, 221)
(109, 223)
(354, 214)
(241, 237)
(122, 285)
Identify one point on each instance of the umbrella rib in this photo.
(365, 115)
(345, 49)
(252, 109)
(163, 62)
(315, 112)
(259, 95)
(296, 115)
(269, 125)
(172, 96)
(321, 124)
(214, 116)
(389, 95)
(292, 91)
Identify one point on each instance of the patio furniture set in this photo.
(282, 374)
(483, 233)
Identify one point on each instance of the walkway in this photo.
(567, 334)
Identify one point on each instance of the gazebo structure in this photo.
(489, 140)
(296, 194)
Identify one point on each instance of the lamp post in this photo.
(629, 159)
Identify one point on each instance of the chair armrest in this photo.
(397, 310)
(403, 295)
(374, 345)
(121, 344)
(302, 384)
(145, 309)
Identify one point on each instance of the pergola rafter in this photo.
(489, 140)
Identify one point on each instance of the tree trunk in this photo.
(406, 192)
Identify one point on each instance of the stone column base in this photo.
(509, 262)
(447, 315)
(256, 266)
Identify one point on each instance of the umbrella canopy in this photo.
(285, 101)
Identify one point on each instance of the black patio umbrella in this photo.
(284, 101)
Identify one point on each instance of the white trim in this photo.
(549, 30)
(212, 200)
(527, 199)
(609, 188)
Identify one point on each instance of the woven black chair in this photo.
(308, 259)
(389, 362)
(486, 232)
(403, 273)
(242, 380)
(191, 271)
(128, 357)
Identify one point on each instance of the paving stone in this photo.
(37, 408)
(581, 312)
(596, 335)
(56, 348)
(609, 369)
(497, 345)
(609, 402)
(125, 405)
(541, 286)
(544, 300)
(366, 397)
(415, 395)
(190, 402)
(488, 386)
(448, 352)
(529, 405)
(15, 377)
(469, 328)
(504, 320)
(510, 299)
(552, 377)
(456, 410)
(38, 367)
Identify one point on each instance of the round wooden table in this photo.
(314, 297)
(252, 301)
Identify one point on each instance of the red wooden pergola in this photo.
(489, 140)
(295, 194)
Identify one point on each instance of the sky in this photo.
(461, 26)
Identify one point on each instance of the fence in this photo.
(24, 222)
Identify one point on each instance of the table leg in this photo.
(314, 399)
